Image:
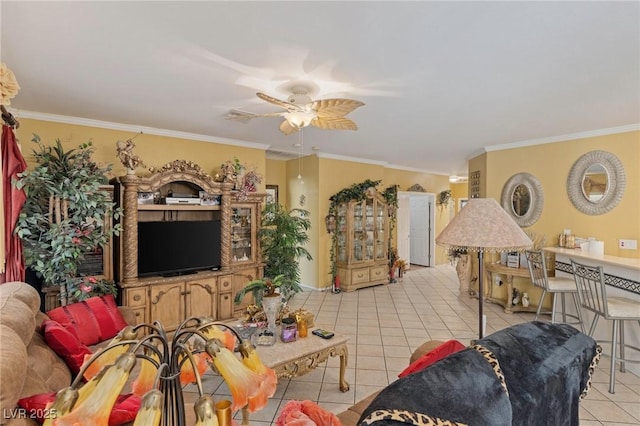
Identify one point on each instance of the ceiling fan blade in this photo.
(284, 104)
(236, 114)
(287, 128)
(328, 108)
(337, 123)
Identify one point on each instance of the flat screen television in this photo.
(178, 247)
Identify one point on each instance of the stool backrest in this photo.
(592, 291)
(537, 268)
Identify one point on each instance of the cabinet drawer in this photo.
(136, 297)
(225, 284)
(378, 273)
(207, 285)
(360, 276)
(140, 315)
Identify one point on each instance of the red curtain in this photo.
(12, 164)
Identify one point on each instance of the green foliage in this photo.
(282, 237)
(87, 287)
(263, 287)
(54, 247)
(443, 197)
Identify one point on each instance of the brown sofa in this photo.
(27, 365)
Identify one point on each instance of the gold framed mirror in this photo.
(596, 182)
(523, 198)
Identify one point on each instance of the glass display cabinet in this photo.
(243, 232)
(362, 243)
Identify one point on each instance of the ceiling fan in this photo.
(302, 111)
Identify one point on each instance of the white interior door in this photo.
(420, 221)
(403, 223)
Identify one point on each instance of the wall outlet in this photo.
(628, 244)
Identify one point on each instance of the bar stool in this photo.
(553, 285)
(592, 292)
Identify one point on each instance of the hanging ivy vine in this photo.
(444, 197)
(358, 192)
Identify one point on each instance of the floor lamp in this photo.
(482, 225)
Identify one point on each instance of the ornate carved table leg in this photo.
(344, 386)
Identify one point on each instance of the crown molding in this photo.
(348, 158)
(137, 129)
(562, 138)
(414, 169)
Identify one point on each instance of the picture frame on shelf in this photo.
(145, 198)
(207, 199)
(272, 194)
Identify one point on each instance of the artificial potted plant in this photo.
(282, 236)
(63, 217)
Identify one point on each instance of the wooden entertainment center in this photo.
(171, 299)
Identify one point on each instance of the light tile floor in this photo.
(386, 323)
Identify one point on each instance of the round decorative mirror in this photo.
(523, 199)
(596, 182)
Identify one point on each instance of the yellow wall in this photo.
(276, 174)
(336, 175)
(551, 163)
(459, 191)
(155, 151)
(323, 177)
(332, 173)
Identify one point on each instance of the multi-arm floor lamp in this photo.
(482, 226)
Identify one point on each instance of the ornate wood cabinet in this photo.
(205, 293)
(361, 251)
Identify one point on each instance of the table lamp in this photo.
(482, 225)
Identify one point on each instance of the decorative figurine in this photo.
(124, 150)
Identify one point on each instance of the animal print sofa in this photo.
(528, 374)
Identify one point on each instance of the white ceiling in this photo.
(441, 80)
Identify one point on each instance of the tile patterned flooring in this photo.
(386, 323)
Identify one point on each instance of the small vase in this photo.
(224, 413)
(271, 306)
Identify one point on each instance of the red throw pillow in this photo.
(442, 351)
(93, 320)
(123, 411)
(65, 344)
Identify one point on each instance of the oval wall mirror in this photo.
(596, 182)
(523, 199)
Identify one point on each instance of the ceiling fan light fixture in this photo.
(302, 112)
(300, 119)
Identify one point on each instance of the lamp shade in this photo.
(483, 225)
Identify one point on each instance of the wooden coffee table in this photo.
(298, 358)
